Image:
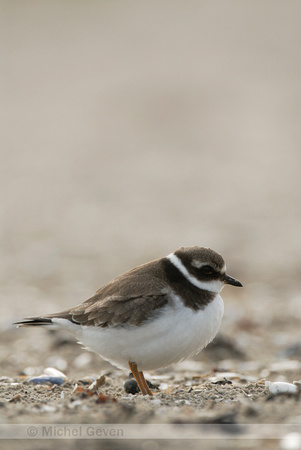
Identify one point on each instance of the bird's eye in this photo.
(207, 270)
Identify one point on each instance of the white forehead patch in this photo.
(198, 264)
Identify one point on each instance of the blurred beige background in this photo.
(132, 128)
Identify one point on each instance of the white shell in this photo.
(280, 387)
(52, 372)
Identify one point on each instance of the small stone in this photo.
(43, 379)
(280, 387)
(52, 372)
(131, 386)
(97, 383)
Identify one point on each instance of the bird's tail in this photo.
(34, 322)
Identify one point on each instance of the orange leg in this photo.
(148, 391)
(140, 380)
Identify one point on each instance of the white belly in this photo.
(177, 333)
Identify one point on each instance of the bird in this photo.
(152, 316)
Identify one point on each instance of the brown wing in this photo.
(118, 310)
(130, 298)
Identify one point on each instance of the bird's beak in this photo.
(230, 280)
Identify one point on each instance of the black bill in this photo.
(230, 280)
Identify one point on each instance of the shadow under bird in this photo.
(153, 316)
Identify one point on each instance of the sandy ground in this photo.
(131, 129)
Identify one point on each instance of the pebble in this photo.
(280, 387)
(50, 376)
(131, 386)
(97, 383)
(52, 372)
(45, 380)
